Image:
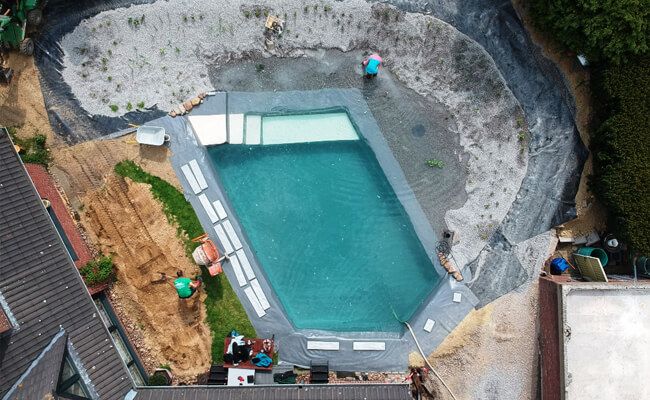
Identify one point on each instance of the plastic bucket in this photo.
(595, 252)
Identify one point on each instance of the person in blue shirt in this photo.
(371, 65)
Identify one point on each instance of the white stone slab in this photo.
(209, 129)
(232, 235)
(253, 129)
(189, 176)
(198, 174)
(457, 297)
(260, 294)
(208, 208)
(236, 128)
(223, 238)
(318, 345)
(307, 128)
(256, 304)
(428, 326)
(221, 212)
(369, 346)
(250, 274)
(238, 272)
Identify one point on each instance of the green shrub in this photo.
(621, 147)
(157, 380)
(34, 149)
(602, 30)
(114, 107)
(140, 104)
(98, 271)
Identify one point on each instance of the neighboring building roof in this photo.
(43, 289)
(41, 377)
(594, 339)
(279, 392)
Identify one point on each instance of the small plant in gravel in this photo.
(109, 78)
(520, 121)
(247, 14)
(327, 8)
(129, 106)
(114, 107)
(162, 52)
(259, 67)
(306, 10)
(114, 42)
(184, 18)
(98, 271)
(177, 50)
(140, 105)
(435, 163)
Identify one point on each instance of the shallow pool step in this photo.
(235, 128)
(253, 129)
(209, 129)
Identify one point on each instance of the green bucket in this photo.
(595, 252)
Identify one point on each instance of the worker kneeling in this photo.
(186, 287)
(371, 65)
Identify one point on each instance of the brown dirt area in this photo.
(21, 103)
(122, 218)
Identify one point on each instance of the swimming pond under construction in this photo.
(329, 246)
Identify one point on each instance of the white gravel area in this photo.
(158, 54)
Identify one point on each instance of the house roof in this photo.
(43, 289)
(41, 376)
(279, 392)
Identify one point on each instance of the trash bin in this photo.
(595, 252)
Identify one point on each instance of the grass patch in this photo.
(224, 310)
(33, 149)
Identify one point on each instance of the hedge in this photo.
(612, 31)
(621, 148)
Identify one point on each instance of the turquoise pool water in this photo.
(329, 232)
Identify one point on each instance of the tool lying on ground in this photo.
(208, 255)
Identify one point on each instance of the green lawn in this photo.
(224, 311)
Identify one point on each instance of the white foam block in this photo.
(209, 129)
(318, 345)
(256, 304)
(238, 272)
(428, 326)
(260, 294)
(236, 128)
(457, 297)
(250, 274)
(198, 174)
(253, 129)
(208, 208)
(369, 346)
(189, 176)
(221, 212)
(221, 234)
(234, 239)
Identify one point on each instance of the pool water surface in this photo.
(328, 231)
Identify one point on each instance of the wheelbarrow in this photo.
(151, 135)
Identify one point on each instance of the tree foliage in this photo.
(98, 271)
(622, 150)
(603, 30)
